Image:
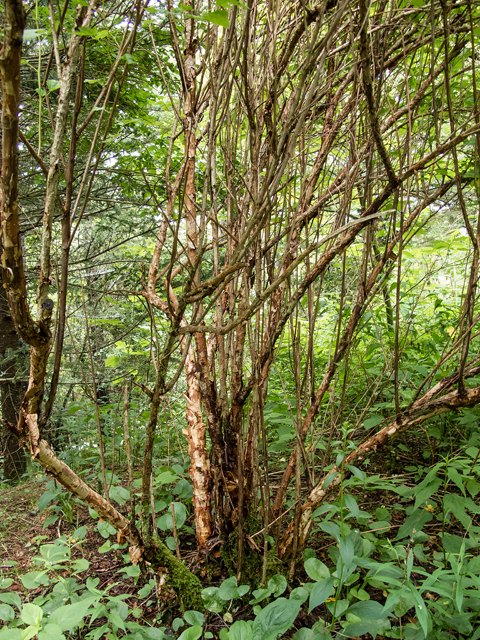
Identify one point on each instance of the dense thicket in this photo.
(263, 220)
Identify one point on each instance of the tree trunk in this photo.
(12, 391)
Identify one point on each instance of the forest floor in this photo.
(22, 532)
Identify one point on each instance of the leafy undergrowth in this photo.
(394, 556)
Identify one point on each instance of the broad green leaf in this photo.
(194, 618)
(53, 85)
(119, 494)
(166, 477)
(166, 521)
(367, 610)
(228, 589)
(31, 614)
(372, 421)
(32, 34)
(105, 530)
(80, 533)
(316, 570)
(53, 553)
(11, 598)
(277, 585)
(28, 633)
(275, 619)
(10, 634)
(6, 612)
(51, 632)
(46, 498)
(220, 17)
(357, 629)
(115, 618)
(70, 616)
(259, 595)
(33, 579)
(192, 633)
(414, 523)
(112, 362)
(240, 630)
(300, 594)
(426, 491)
(320, 592)
(456, 504)
(82, 564)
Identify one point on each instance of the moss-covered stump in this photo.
(185, 584)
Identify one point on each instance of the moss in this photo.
(185, 584)
(252, 563)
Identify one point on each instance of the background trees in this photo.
(259, 215)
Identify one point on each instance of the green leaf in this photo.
(455, 477)
(51, 632)
(358, 473)
(105, 530)
(10, 634)
(413, 523)
(11, 598)
(372, 421)
(166, 521)
(112, 362)
(29, 632)
(70, 616)
(46, 498)
(320, 592)
(6, 612)
(115, 618)
(32, 34)
(80, 533)
(277, 585)
(421, 610)
(31, 614)
(166, 477)
(194, 618)
(192, 633)
(357, 629)
(367, 610)
(82, 564)
(300, 594)
(422, 494)
(119, 494)
(220, 17)
(316, 570)
(228, 589)
(34, 579)
(53, 85)
(240, 630)
(456, 504)
(259, 595)
(53, 553)
(275, 619)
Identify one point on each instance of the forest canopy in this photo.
(240, 256)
